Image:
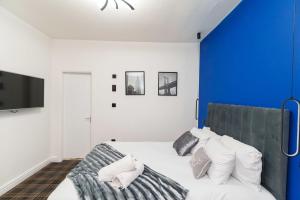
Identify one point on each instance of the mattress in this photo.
(161, 157)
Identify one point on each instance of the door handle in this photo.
(196, 111)
(297, 151)
(88, 118)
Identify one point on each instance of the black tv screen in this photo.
(19, 91)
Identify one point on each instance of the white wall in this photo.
(24, 136)
(136, 118)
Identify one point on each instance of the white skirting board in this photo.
(17, 180)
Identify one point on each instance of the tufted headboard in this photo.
(258, 127)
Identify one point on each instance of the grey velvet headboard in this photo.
(258, 127)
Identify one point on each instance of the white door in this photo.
(77, 115)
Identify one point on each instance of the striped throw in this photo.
(151, 185)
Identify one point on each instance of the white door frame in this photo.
(62, 109)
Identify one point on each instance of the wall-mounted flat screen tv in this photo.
(19, 91)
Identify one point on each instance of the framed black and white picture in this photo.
(135, 82)
(167, 83)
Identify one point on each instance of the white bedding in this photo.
(161, 157)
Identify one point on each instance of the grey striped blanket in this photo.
(151, 185)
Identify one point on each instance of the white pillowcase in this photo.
(248, 165)
(223, 161)
(199, 131)
(204, 135)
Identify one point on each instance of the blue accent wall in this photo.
(247, 60)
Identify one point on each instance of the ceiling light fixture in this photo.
(117, 6)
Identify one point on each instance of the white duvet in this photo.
(161, 157)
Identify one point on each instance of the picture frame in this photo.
(167, 83)
(135, 83)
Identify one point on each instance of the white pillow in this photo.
(223, 161)
(248, 166)
(204, 135)
(199, 145)
(198, 131)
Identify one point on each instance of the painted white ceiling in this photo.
(151, 21)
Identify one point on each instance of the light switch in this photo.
(114, 88)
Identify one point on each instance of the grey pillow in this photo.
(200, 163)
(184, 144)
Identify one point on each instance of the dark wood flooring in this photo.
(40, 185)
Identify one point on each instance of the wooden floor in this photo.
(41, 184)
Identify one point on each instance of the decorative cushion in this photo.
(204, 135)
(200, 163)
(185, 143)
(223, 161)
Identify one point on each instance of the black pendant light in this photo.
(117, 5)
(292, 98)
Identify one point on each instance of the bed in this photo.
(258, 127)
(162, 157)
